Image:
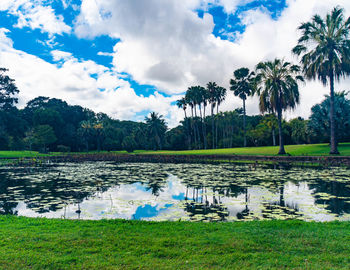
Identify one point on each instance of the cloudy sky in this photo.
(129, 57)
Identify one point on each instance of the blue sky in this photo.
(127, 58)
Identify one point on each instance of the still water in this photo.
(195, 192)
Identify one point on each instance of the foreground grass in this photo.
(294, 150)
(60, 244)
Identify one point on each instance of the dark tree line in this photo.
(52, 124)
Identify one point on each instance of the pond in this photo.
(194, 192)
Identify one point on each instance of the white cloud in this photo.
(166, 44)
(78, 82)
(36, 15)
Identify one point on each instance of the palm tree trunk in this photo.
(244, 123)
(334, 147)
(188, 133)
(204, 129)
(217, 123)
(193, 129)
(212, 127)
(273, 137)
(201, 119)
(279, 116)
(196, 129)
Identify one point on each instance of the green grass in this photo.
(27, 243)
(294, 150)
(22, 154)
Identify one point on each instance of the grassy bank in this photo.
(294, 150)
(61, 244)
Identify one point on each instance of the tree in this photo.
(277, 88)
(129, 144)
(8, 90)
(325, 49)
(182, 104)
(220, 97)
(43, 136)
(156, 127)
(242, 86)
(298, 128)
(85, 131)
(319, 119)
(212, 89)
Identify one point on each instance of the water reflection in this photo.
(192, 192)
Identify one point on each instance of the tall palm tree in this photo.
(277, 87)
(220, 97)
(325, 49)
(212, 89)
(190, 101)
(156, 128)
(242, 86)
(85, 131)
(182, 104)
(203, 99)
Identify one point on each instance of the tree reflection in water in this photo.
(206, 189)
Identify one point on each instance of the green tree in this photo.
(129, 144)
(319, 119)
(298, 128)
(156, 127)
(85, 131)
(44, 136)
(277, 88)
(325, 49)
(220, 97)
(212, 90)
(242, 86)
(8, 91)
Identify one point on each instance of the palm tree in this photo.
(203, 99)
(193, 95)
(85, 131)
(212, 89)
(242, 86)
(325, 49)
(189, 100)
(182, 104)
(220, 97)
(277, 87)
(156, 128)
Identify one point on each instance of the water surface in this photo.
(196, 192)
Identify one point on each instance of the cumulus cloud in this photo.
(36, 15)
(165, 43)
(79, 82)
(162, 43)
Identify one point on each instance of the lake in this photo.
(187, 192)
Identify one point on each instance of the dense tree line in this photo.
(52, 124)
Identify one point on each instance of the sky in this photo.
(128, 58)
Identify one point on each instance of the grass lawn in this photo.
(27, 243)
(294, 150)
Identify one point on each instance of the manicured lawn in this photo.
(61, 244)
(20, 154)
(294, 150)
